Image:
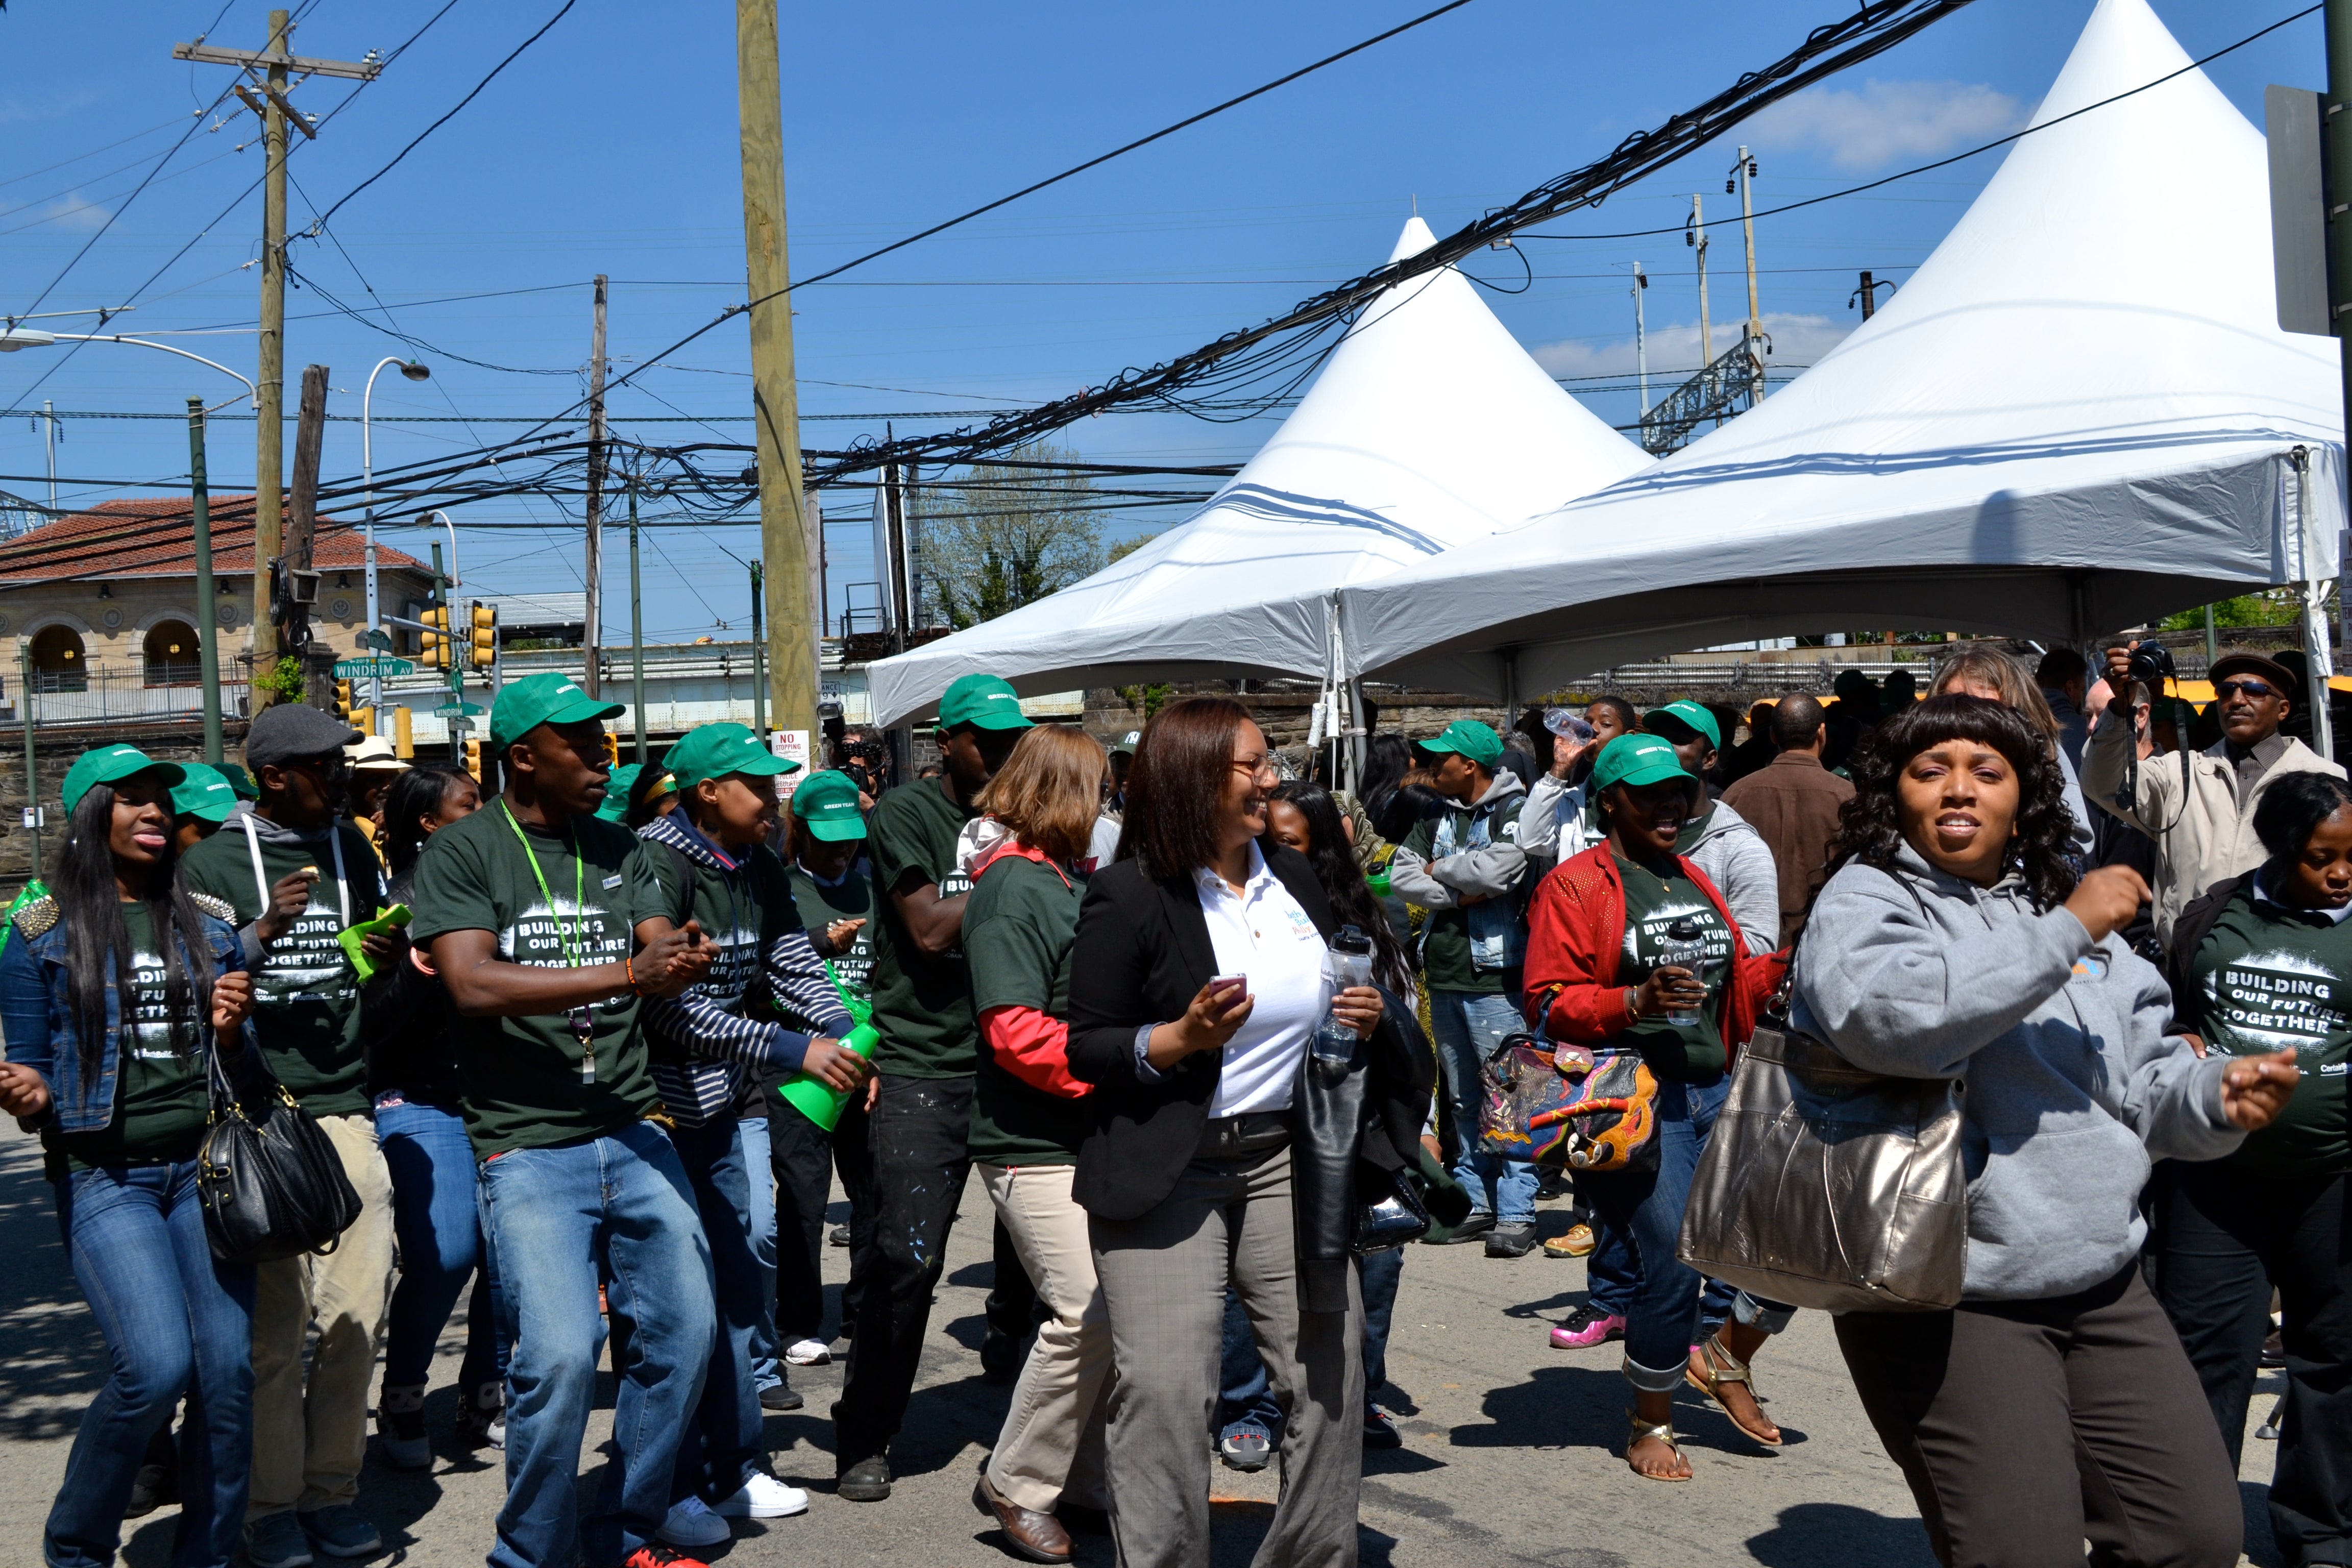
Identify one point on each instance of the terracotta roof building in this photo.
(110, 593)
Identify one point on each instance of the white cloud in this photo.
(1885, 122)
(72, 211)
(1674, 351)
(56, 106)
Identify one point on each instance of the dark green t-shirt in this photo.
(743, 914)
(851, 899)
(159, 1103)
(1018, 930)
(306, 999)
(1654, 907)
(922, 1005)
(2274, 979)
(518, 1078)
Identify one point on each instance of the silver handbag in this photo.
(1823, 1186)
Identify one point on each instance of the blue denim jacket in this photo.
(36, 1019)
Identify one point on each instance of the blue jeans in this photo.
(175, 1320)
(1615, 1278)
(722, 1443)
(1468, 1026)
(760, 1181)
(1662, 1318)
(556, 1220)
(439, 1224)
(1245, 1391)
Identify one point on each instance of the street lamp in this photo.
(415, 371)
(15, 338)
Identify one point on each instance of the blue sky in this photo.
(611, 146)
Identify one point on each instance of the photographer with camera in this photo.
(2199, 807)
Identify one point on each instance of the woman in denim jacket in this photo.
(121, 1104)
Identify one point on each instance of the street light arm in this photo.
(253, 391)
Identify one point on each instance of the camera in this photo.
(2151, 665)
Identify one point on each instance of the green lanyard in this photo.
(583, 1018)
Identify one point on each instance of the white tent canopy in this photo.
(1429, 427)
(2078, 415)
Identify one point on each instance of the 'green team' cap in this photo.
(112, 764)
(984, 701)
(550, 698)
(238, 780)
(1470, 739)
(827, 803)
(714, 751)
(1637, 759)
(203, 794)
(1694, 717)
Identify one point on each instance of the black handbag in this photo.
(271, 1183)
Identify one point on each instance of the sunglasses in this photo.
(2225, 690)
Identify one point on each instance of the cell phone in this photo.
(1221, 987)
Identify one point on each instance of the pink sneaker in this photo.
(1586, 1327)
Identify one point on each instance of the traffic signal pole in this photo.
(207, 608)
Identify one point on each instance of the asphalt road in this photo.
(1509, 1458)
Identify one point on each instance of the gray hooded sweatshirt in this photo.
(2071, 1084)
(1740, 863)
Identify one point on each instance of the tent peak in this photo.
(2123, 46)
(1415, 239)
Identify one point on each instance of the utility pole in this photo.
(1744, 171)
(265, 70)
(1695, 236)
(636, 631)
(1641, 338)
(32, 765)
(759, 664)
(595, 570)
(207, 608)
(792, 650)
(49, 420)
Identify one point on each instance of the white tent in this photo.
(1428, 428)
(2079, 414)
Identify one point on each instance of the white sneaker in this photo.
(808, 1353)
(762, 1496)
(691, 1523)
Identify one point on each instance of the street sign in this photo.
(360, 668)
(378, 639)
(457, 710)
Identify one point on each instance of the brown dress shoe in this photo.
(1039, 1537)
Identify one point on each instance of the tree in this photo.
(1008, 536)
(1127, 547)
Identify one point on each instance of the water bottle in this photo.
(1347, 963)
(1684, 949)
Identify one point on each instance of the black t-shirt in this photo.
(851, 899)
(922, 1005)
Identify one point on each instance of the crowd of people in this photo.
(596, 1043)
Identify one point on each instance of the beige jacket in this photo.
(2190, 804)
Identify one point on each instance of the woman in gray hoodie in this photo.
(2054, 1405)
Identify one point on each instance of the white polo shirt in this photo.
(1264, 934)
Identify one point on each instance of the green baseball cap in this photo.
(828, 803)
(1637, 759)
(203, 794)
(1694, 717)
(616, 792)
(238, 780)
(550, 698)
(1468, 738)
(714, 751)
(984, 701)
(112, 764)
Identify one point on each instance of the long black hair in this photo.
(98, 940)
(1870, 826)
(1334, 860)
(414, 797)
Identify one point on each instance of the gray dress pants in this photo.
(1163, 1280)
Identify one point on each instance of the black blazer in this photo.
(1143, 954)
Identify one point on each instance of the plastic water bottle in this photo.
(1684, 949)
(1347, 963)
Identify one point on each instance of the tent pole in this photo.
(1358, 733)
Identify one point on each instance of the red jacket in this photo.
(1576, 937)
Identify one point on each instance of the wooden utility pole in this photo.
(299, 577)
(775, 406)
(594, 627)
(266, 67)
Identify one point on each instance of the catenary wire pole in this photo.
(595, 570)
(207, 608)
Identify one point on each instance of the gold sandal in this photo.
(1722, 1367)
(1664, 1433)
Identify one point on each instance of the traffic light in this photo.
(343, 701)
(364, 720)
(474, 758)
(611, 750)
(432, 644)
(485, 635)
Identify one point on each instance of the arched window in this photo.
(58, 659)
(170, 655)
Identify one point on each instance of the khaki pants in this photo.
(1052, 1444)
(309, 1440)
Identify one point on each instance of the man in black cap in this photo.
(2199, 807)
(298, 878)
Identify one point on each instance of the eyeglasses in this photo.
(2225, 690)
(1259, 766)
(326, 767)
